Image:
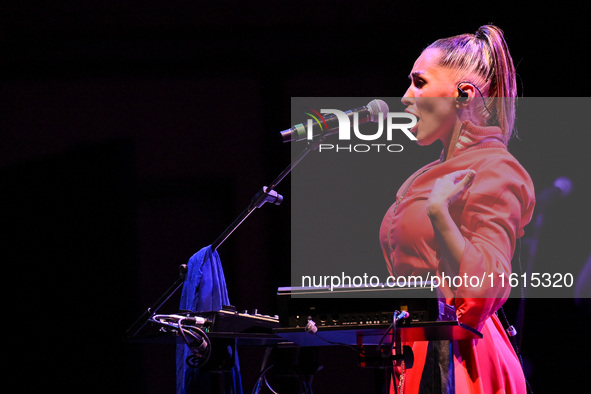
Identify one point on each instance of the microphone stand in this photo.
(266, 194)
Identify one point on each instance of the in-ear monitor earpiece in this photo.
(462, 95)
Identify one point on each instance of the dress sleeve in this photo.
(497, 208)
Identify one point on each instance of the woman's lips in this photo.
(415, 128)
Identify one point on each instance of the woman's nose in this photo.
(408, 98)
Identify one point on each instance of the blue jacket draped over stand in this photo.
(204, 290)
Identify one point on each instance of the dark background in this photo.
(133, 133)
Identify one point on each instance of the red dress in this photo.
(491, 215)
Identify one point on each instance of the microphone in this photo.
(372, 112)
(402, 315)
(562, 187)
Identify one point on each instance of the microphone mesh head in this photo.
(377, 107)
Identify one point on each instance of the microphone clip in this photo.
(267, 195)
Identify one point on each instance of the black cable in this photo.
(262, 377)
(394, 320)
(312, 329)
(392, 328)
(384, 336)
(511, 334)
(202, 352)
(481, 95)
(268, 385)
(511, 331)
(521, 309)
(337, 343)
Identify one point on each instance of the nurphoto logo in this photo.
(320, 125)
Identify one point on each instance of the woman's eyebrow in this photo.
(415, 74)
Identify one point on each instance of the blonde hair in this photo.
(483, 59)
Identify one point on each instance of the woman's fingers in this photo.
(466, 178)
(449, 188)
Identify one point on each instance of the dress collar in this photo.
(473, 137)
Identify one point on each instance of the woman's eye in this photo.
(419, 83)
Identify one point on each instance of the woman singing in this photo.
(462, 214)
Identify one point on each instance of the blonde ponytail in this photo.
(484, 60)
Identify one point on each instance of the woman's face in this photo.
(431, 98)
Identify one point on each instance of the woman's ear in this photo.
(466, 91)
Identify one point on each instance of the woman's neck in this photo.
(449, 143)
